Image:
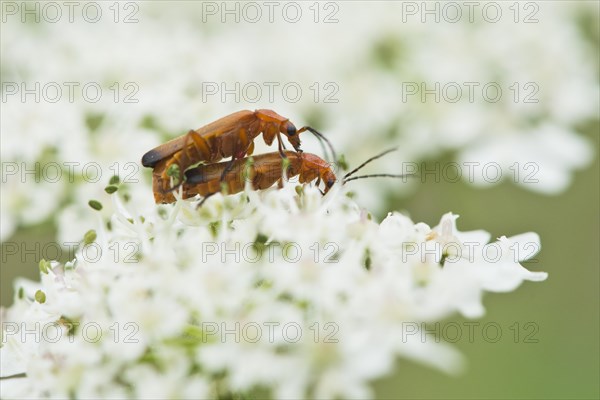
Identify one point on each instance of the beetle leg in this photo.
(244, 142)
(250, 149)
(177, 159)
(201, 145)
(204, 199)
(228, 168)
(202, 148)
(319, 183)
(280, 145)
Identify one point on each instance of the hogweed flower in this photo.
(283, 293)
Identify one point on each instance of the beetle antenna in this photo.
(346, 180)
(321, 138)
(324, 150)
(368, 161)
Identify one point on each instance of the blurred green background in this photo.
(564, 363)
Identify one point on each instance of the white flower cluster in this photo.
(283, 293)
(357, 85)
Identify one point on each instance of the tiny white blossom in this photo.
(229, 298)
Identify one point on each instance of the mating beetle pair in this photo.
(233, 136)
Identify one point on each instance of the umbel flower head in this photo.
(283, 293)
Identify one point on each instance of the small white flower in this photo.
(192, 314)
